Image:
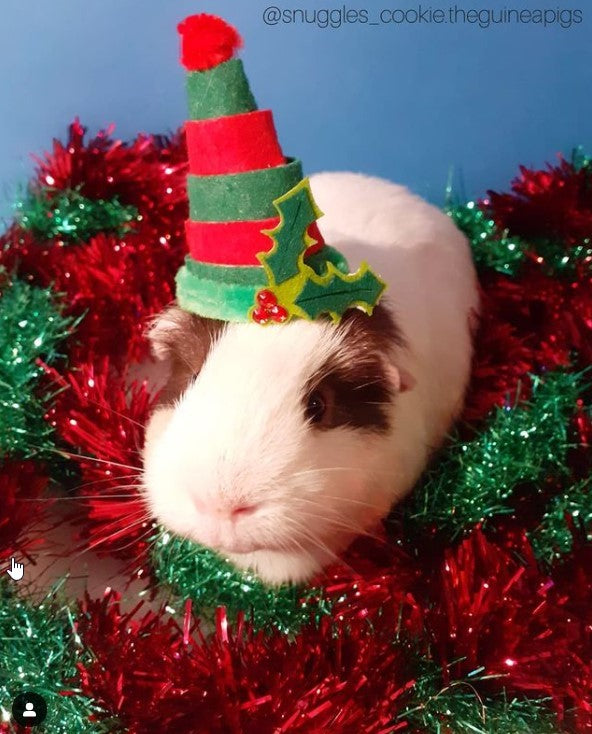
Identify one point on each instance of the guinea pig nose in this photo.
(242, 511)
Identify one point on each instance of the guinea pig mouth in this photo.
(237, 545)
(240, 547)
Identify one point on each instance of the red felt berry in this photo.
(260, 315)
(267, 299)
(207, 41)
(278, 313)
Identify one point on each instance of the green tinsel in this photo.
(556, 260)
(553, 538)
(31, 327)
(68, 215)
(580, 160)
(498, 250)
(459, 709)
(491, 247)
(40, 649)
(210, 580)
(474, 480)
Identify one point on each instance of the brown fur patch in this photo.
(184, 340)
(354, 382)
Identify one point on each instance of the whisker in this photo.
(324, 515)
(316, 541)
(132, 475)
(328, 469)
(115, 412)
(351, 500)
(70, 455)
(332, 555)
(378, 380)
(145, 517)
(133, 541)
(338, 521)
(79, 498)
(286, 547)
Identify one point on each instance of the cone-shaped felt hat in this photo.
(255, 251)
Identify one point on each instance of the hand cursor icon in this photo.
(16, 570)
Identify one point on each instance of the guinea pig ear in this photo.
(401, 380)
(377, 334)
(165, 329)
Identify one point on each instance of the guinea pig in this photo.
(277, 445)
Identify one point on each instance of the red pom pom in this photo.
(207, 41)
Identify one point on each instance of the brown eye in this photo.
(316, 407)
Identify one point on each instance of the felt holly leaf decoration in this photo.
(297, 211)
(335, 292)
(295, 289)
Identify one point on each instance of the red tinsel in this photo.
(536, 321)
(100, 415)
(552, 316)
(554, 203)
(501, 362)
(504, 618)
(530, 323)
(116, 283)
(376, 580)
(138, 173)
(349, 679)
(22, 485)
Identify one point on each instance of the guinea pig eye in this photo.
(316, 407)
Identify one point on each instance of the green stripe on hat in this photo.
(218, 291)
(241, 196)
(228, 292)
(218, 92)
(245, 274)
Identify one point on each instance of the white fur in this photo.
(238, 434)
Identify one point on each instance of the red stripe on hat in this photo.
(228, 243)
(233, 144)
(236, 243)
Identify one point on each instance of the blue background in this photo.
(403, 101)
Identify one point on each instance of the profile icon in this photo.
(29, 709)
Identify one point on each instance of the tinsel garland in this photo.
(268, 681)
(356, 677)
(546, 220)
(472, 613)
(568, 512)
(41, 651)
(504, 618)
(115, 281)
(22, 506)
(32, 328)
(101, 415)
(69, 215)
(552, 204)
(199, 574)
(527, 442)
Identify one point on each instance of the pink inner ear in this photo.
(407, 381)
(400, 379)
